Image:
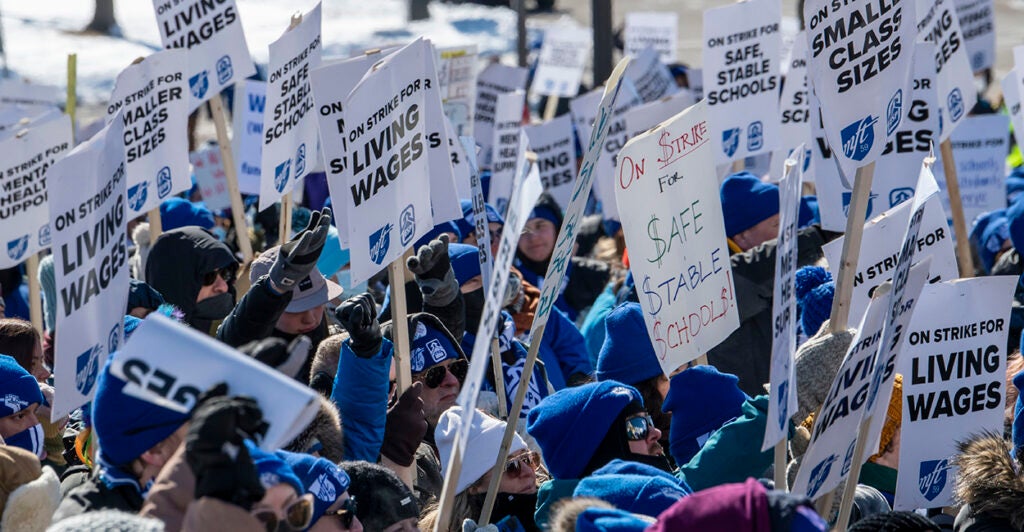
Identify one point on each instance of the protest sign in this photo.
(563, 57)
(859, 65)
(494, 80)
(456, 79)
(24, 208)
(783, 369)
(583, 110)
(289, 126)
(1011, 98)
(443, 202)
(650, 77)
(170, 364)
(695, 78)
(15, 117)
(152, 96)
(480, 223)
(212, 33)
(555, 146)
(977, 25)
(247, 126)
(507, 147)
(794, 113)
(658, 30)
(386, 199)
(90, 257)
(617, 137)
(675, 232)
(937, 23)
(213, 182)
(22, 92)
(741, 77)
(980, 144)
(954, 370)
(460, 162)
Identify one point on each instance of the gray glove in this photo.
(434, 273)
(298, 256)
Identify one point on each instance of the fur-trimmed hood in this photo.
(325, 429)
(989, 480)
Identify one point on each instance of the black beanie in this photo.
(895, 522)
(382, 499)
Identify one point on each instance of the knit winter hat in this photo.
(723, 507)
(893, 416)
(545, 212)
(619, 466)
(1017, 431)
(814, 290)
(178, 212)
(701, 400)
(993, 235)
(638, 494)
(467, 224)
(746, 202)
(383, 499)
(570, 424)
(1015, 219)
(627, 354)
(430, 347)
(108, 520)
(272, 469)
(485, 437)
(438, 230)
(465, 261)
(18, 388)
(609, 520)
(1014, 184)
(817, 362)
(323, 479)
(809, 213)
(332, 257)
(142, 295)
(125, 425)
(894, 522)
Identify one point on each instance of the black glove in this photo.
(405, 427)
(215, 451)
(322, 383)
(287, 358)
(359, 317)
(297, 257)
(434, 273)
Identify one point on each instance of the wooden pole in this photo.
(71, 100)
(956, 205)
(846, 504)
(780, 465)
(35, 307)
(840, 315)
(284, 227)
(550, 108)
(499, 379)
(447, 499)
(396, 279)
(220, 122)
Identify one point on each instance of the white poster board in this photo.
(247, 133)
(563, 57)
(213, 181)
(938, 23)
(977, 24)
(456, 78)
(794, 114)
(495, 79)
(651, 79)
(655, 29)
(980, 146)
(507, 147)
(555, 146)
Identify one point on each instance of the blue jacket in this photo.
(538, 281)
(361, 395)
(563, 350)
(593, 330)
(513, 358)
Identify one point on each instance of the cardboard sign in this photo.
(651, 79)
(289, 125)
(456, 78)
(387, 200)
(980, 145)
(658, 30)
(508, 147)
(938, 23)
(555, 146)
(24, 186)
(15, 117)
(170, 364)
(880, 248)
(460, 163)
(480, 224)
(741, 77)
(954, 374)
(212, 33)
(1011, 98)
(563, 57)
(213, 182)
(977, 25)
(89, 216)
(444, 204)
(153, 99)
(494, 80)
(583, 110)
(675, 231)
(794, 114)
(247, 129)
(619, 134)
(783, 369)
(859, 65)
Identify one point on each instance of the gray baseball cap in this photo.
(310, 292)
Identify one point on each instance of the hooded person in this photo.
(29, 492)
(334, 508)
(384, 502)
(195, 272)
(19, 426)
(989, 485)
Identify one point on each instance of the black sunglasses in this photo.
(638, 427)
(347, 512)
(223, 273)
(433, 377)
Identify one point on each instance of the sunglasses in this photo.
(434, 376)
(638, 427)
(297, 515)
(347, 512)
(515, 466)
(211, 277)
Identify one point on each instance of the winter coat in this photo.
(94, 494)
(989, 486)
(733, 452)
(361, 394)
(563, 351)
(429, 478)
(548, 495)
(747, 352)
(513, 360)
(208, 513)
(172, 491)
(584, 281)
(593, 329)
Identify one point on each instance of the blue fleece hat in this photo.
(18, 387)
(701, 400)
(1014, 183)
(619, 466)
(814, 290)
(545, 213)
(993, 235)
(272, 469)
(570, 424)
(467, 224)
(746, 202)
(323, 479)
(465, 261)
(438, 230)
(1015, 218)
(638, 494)
(142, 295)
(609, 520)
(177, 212)
(627, 354)
(981, 222)
(809, 213)
(430, 347)
(126, 425)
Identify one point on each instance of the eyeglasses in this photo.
(297, 515)
(223, 273)
(347, 512)
(515, 465)
(638, 427)
(434, 376)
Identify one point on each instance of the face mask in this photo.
(215, 308)
(474, 309)
(219, 232)
(519, 505)
(30, 439)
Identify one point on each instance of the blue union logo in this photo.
(88, 365)
(894, 112)
(755, 136)
(932, 478)
(407, 224)
(783, 408)
(198, 84)
(300, 161)
(858, 138)
(224, 70)
(955, 103)
(137, 196)
(380, 241)
(819, 474)
(163, 182)
(848, 197)
(16, 248)
(899, 195)
(281, 174)
(730, 141)
(44, 235)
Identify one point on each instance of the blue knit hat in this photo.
(1015, 218)
(609, 520)
(177, 212)
(809, 213)
(627, 354)
(142, 295)
(126, 425)
(638, 494)
(323, 479)
(746, 202)
(467, 224)
(570, 424)
(18, 388)
(981, 222)
(619, 466)
(1014, 183)
(1017, 431)
(430, 347)
(438, 230)
(814, 290)
(701, 400)
(272, 469)
(465, 261)
(545, 213)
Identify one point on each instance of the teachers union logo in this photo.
(88, 366)
(858, 138)
(380, 241)
(44, 235)
(322, 488)
(224, 70)
(755, 136)
(281, 174)
(300, 160)
(437, 352)
(16, 248)
(730, 141)
(848, 197)
(137, 195)
(114, 338)
(198, 84)
(894, 112)
(899, 195)
(418, 361)
(932, 478)
(163, 182)
(848, 459)
(783, 408)
(407, 224)
(819, 474)
(955, 103)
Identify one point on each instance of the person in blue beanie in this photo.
(327, 484)
(809, 214)
(467, 228)
(19, 426)
(445, 228)
(814, 289)
(610, 520)
(641, 492)
(990, 237)
(179, 212)
(751, 210)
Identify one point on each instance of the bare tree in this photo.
(103, 18)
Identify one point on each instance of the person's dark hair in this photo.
(648, 389)
(18, 339)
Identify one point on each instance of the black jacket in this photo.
(93, 495)
(177, 263)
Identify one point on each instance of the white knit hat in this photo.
(481, 448)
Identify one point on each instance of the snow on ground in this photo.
(38, 34)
